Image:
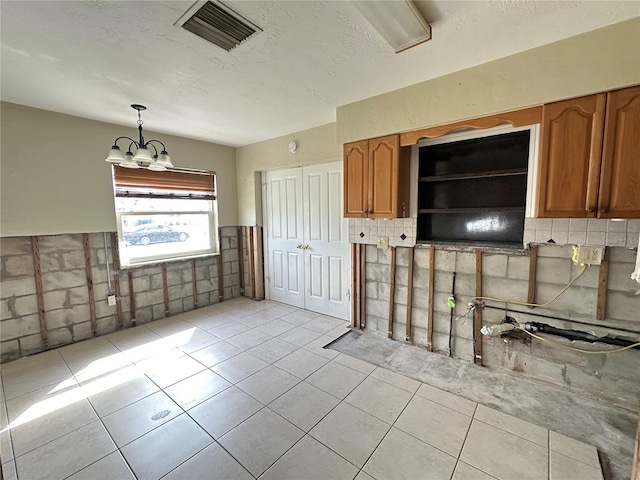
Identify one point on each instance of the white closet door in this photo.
(284, 235)
(327, 260)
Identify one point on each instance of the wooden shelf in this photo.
(472, 210)
(474, 175)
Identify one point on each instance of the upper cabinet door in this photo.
(572, 133)
(383, 162)
(356, 178)
(620, 182)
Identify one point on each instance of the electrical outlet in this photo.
(584, 254)
(383, 243)
(111, 300)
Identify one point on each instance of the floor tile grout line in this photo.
(466, 435)
(13, 450)
(511, 433)
(549, 454)
(117, 449)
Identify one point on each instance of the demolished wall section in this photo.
(612, 377)
(66, 293)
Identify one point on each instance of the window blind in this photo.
(125, 178)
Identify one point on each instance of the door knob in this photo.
(300, 246)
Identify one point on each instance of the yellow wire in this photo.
(621, 349)
(584, 268)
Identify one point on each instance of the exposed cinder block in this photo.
(420, 277)
(553, 270)
(378, 308)
(495, 265)
(401, 295)
(229, 255)
(19, 327)
(372, 290)
(507, 288)
(620, 280)
(17, 287)
(72, 260)
(158, 312)
(465, 262)
(149, 297)
(371, 254)
(622, 255)
(82, 331)
(30, 344)
(52, 301)
(175, 306)
(52, 243)
(555, 251)
(576, 301)
(445, 260)
(141, 284)
(10, 349)
(63, 279)
(378, 273)
(402, 276)
(384, 257)
(624, 306)
(15, 246)
(67, 316)
(80, 295)
(421, 258)
(180, 291)
(144, 314)
(187, 303)
(402, 257)
(60, 336)
(17, 266)
(24, 306)
(518, 267)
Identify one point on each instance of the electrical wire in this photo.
(616, 350)
(584, 268)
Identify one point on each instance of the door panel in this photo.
(326, 235)
(572, 133)
(383, 154)
(304, 206)
(356, 174)
(284, 234)
(620, 183)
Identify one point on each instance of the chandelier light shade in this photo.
(399, 22)
(142, 158)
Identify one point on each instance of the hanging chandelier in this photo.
(142, 157)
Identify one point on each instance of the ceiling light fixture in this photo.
(399, 22)
(142, 158)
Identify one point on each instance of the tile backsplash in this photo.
(582, 231)
(401, 231)
(561, 231)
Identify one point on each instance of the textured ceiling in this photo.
(93, 59)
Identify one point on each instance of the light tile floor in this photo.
(245, 389)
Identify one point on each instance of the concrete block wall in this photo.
(66, 294)
(612, 377)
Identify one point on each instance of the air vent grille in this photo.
(218, 24)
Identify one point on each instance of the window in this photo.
(164, 215)
(472, 188)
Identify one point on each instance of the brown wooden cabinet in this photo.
(376, 178)
(590, 157)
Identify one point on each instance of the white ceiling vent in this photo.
(218, 24)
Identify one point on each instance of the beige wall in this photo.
(317, 145)
(55, 179)
(596, 61)
(599, 60)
